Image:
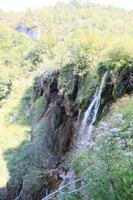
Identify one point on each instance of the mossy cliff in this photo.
(53, 114)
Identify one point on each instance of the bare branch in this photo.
(73, 191)
(61, 187)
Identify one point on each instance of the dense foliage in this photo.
(84, 40)
(108, 166)
(68, 33)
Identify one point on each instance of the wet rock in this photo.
(46, 84)
(48, 149)
(70, 107)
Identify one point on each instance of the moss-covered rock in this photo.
(87, 89)
(53, 115)
(37, 110)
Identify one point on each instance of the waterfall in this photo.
(91, 113)
(78, 121)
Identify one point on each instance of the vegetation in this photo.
(108, 167)
(84, 41)
(93, 37)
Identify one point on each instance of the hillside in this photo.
(66, 104)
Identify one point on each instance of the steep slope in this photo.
(38, 165)
(44, 125)
(12, 134)
(107, 167)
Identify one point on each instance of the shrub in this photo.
(108, 171)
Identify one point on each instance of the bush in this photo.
(108, 171)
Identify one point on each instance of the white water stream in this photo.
(91, 113)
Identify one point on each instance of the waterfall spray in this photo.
(91, 113)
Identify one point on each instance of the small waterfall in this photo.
(91, 113)
(78, 121)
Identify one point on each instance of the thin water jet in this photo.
(91, 113)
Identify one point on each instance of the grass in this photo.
(125, 107)
(11, 134)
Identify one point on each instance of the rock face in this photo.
(33, 33)
(46, 152)
(118, 84)
(61, 112)
(49, 148)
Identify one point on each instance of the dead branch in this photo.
(61, 187)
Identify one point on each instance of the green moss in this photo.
(38, 109)
(87, 89)
(41, 127)
(22, 159)
(116, 92)
(27, 157)
(115, 65)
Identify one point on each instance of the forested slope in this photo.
(46, 87)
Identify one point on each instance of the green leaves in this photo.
(108, 171)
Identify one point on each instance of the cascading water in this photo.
(91, 113)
